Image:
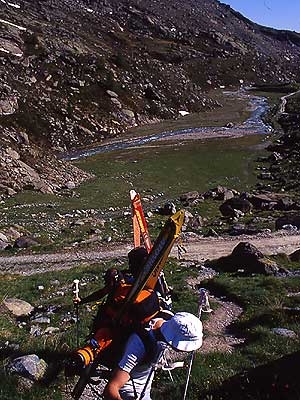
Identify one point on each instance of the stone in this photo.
(3, 244)
(285, 332)
(23, 242)
(247, 258)
(116, 102)
(18, 307)
(12, 153)
(29, 366)
(41, 320)
(42, 186)
(293, 220)
(128, 113)
(167, 209)
(295, 256)
(263, 202)
(228, 208)
(112, 93)
(8, 106)
(3, 237)
(189, 197)
(70, 185)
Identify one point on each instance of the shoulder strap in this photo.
(149, 343)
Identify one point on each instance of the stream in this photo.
(254, 125)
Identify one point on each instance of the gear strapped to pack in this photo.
(105, 332)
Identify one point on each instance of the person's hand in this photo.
(76, 300)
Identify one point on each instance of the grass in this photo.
(263, 299)
(160, 173)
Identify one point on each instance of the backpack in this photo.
(144, 307)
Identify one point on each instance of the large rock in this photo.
(220, 193)
(248, 258)
(189, 197)
(246, 250)
(29, 366)
(167, 209)
(263, 202)
(192, 221)
(3, 244)
(8, 106)
(295, 256)
(229, 207)
(23, 242)
(293, 220)
(18, 307)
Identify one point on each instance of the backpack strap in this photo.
(149, 343)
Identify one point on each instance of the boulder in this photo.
(229, 207)
(18, 307)
(8, 106)
(3, 237)
(3, 244)
(246, 250)
(248, 258)
(293, 220)
(263, 202)
(29, 366)
(192, 221)
(23, 242)
(189, 197)
(286, 204)
(167, 209)
(295, 256)
(285, 332)
(220, 193)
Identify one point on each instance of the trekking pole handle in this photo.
(203, 302)
(76, 289)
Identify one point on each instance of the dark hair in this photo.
(136, 258)
(112, 276)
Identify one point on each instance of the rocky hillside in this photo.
(74, 72)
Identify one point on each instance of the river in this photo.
(254, 125)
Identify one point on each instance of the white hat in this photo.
(183, 331)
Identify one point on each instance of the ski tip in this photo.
(132, 194)
(178, 216)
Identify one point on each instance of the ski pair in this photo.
(156, 259)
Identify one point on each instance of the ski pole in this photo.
(203, 305)
(76, 298)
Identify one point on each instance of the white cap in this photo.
(183, 331)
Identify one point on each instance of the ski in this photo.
(155, 260)
(139, 222)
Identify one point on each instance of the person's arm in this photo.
(118, 380)
(94, 296)
(133, 353)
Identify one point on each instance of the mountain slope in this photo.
(76, 72)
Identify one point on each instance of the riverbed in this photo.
(253, 125)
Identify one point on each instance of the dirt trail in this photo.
(201, 249)
(197, 248)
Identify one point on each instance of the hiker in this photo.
(132, 378)
(106, 336)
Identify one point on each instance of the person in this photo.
(132, 377)
(108, 331)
